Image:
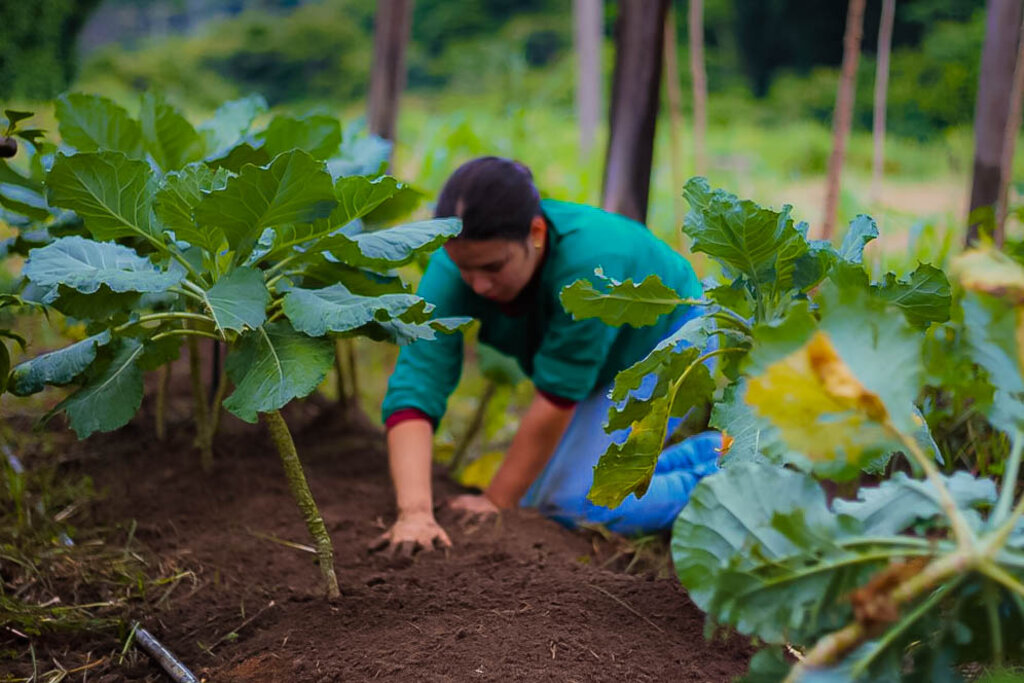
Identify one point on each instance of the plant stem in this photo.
(991, 598)
(339, 371)
(199, 406)
(353, 372)
(304, 497)
(833, 646)
(169, 315)
(474, 427)
(961, 530)
(997, 573)
(1009, 479)
(161, 401)
(184, 292)
(185, 332)
(273, 270)
(218, 399)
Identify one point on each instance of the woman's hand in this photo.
(411, 533)
(473, 507)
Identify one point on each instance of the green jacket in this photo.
(564, 357)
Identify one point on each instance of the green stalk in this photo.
(218, 399)
(170, 315)
(163, 379)
(339, 372)
(474, 427)
(965, 537)
(304, 497)
(1009, 479)
(199, 406)
(185, 332)
(991, 599)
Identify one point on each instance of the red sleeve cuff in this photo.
(559, 401)
(404, 414)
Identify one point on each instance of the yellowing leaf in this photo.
(478, 473)
(989, 271)
(819, 407)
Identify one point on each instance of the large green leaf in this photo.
(993, 330)
(177, 198)
(336, 309)
(413, 325)
(90, 123)
(239, 156)
(834, 395)
(102, 305)
(391, 247)
(621, 303)
(10, 176)
(86, 265)
(758, 244)
(324, 271)
(110, 192)
(56, 368)
(167, 135)
(896, 504)
(924, 298)
(294, 188)
(357, 196)
(230, 123)
(758, 549)
(238, 301)
(318, 135)
(752, 438)
(111, 394)
(861, 231)
(272, 365)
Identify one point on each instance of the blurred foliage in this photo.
(37, 57)
(772, 61)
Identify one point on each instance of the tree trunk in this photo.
(700, 85)
(387, 79)
(881, 96)
(992, 109)
(304, 497)
(675, 119)
(639, 33)
(843, 116)
(1010, 142)
(589, 20)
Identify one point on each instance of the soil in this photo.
(519, 598)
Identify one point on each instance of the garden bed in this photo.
(520, 598)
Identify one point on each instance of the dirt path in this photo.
(521, 599)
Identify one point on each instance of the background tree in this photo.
(674, 101)
(639, 34)
(698, 73)
(992, 107)
(881, 95)
(387, 79)
(588, 19)
(843, 116)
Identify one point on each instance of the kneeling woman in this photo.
(514, 256)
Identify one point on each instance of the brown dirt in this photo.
(519, 599)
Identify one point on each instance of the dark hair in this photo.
(494, 197)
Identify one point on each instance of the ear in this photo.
(538, 231)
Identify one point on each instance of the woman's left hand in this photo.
(473, 507)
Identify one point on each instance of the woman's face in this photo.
(499, 269)
(495, 269)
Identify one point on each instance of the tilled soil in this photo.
(516, 599)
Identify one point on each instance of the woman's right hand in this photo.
(411, 533)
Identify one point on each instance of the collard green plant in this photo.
(222, 233)
(915, 576)
(779, 283)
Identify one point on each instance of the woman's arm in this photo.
(539, 433)
(409, 456)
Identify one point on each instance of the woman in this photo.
(507, 267)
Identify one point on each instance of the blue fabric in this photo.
(560, 492)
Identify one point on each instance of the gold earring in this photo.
(537, 245)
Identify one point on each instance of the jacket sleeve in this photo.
(428, 371)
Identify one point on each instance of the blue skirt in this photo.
(560, 492)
